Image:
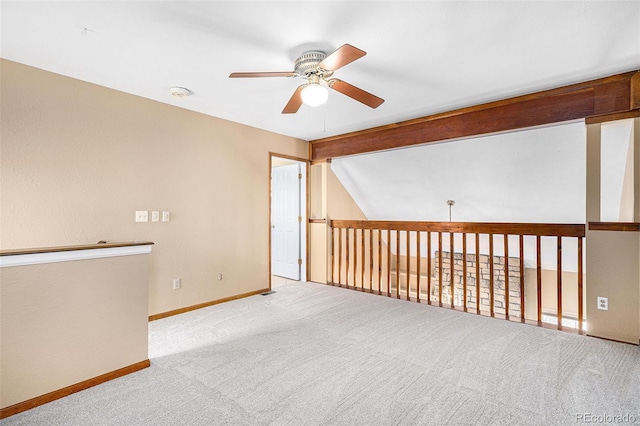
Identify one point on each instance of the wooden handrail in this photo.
(497, 228)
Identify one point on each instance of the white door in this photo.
(286, 221)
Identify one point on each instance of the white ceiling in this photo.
(422, 57)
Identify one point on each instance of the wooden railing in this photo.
(440, 263)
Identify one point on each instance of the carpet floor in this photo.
(311, 354)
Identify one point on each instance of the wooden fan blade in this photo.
(356, 93)
(262, 74)
(295, 102)
(341, 57)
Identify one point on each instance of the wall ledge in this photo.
(24, 257)
(615, 226)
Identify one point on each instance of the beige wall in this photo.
(77, 160)
(612, 265)
(340, 205)
(329, 200)
(67, 322)
(613, 272)
(316, 203)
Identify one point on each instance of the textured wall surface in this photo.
(66, 322)
(77, 161)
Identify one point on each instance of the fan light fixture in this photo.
(314, 95)
(316, 67)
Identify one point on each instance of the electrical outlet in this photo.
(603, 303)
(166, 216)
(177, 283)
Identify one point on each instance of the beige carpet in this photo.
(311, 354)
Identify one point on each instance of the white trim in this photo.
(305, 221)
(67, 256)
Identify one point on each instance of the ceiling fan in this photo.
(316, 67)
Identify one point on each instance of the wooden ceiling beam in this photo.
(605, 96)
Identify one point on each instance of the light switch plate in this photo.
(142, 216)
(155, 216)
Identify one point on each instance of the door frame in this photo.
(304, 204)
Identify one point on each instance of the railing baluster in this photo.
(451, 270)
(364, 251)
(580, 295)
(478, 277)
(491, 278)
(539, 278)
(559, 272)
(339, 256)
(333, 258)
(397, 264)
(522, 301)
(388, 262)
(428, 267)
(440, 268)
(506, 276)
(408, 265)
(355, 257)
(418, 266)
(464, 271)
(379, 261)
(344, 250)
(347, 249)
(370, 260)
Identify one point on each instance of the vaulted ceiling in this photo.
(422, 57)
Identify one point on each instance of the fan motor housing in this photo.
(307, 63)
